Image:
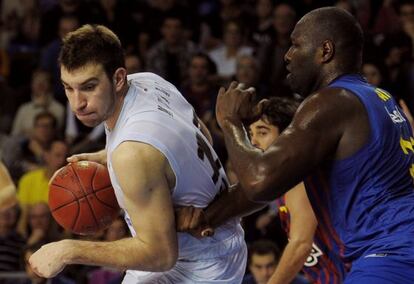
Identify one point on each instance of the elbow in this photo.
(166, 260)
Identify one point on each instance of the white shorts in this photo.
(226, 268)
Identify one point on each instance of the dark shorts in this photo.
(389, 269)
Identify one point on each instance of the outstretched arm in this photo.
(141, 173)
(302, 229)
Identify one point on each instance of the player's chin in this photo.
(90, 120)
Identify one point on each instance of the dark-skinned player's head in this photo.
(326, 43)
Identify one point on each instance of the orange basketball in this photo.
(81, 198)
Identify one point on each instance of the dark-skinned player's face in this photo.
(300, 61)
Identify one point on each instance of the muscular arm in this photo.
(313, 137)
(230, 204)
(7, 189)
(302, 229)
(141, 172)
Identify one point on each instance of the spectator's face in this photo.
(284, 19)
(262, 267)
(67, 25)
(56, 156)
(91, 94)
(407, 13)
(44, 129)
(133, 64)
(262, 134)
(172, 31)
(7, 219)
(198, 70)
(264, 8)
(40, 85)
(372, 74)
(232, 35)
(39, 216)
(246, 71)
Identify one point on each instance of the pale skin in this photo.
(145, 178)
(302, 219)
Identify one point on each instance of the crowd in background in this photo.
(196, 45)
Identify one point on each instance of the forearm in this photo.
(129, 253)
(230, 204)
(291, 262)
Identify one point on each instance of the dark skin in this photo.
(330, 124)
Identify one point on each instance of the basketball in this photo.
(81, 198)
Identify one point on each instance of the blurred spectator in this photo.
(133, 63)
(263, 258)
(262, 31)
(8, 105)
(170, 57)
(41, 227)
(11, 242)
(50, 54)
(199, 90)
(33, 186)
(271, 56)
(374, 74)
(42, 100)
(233, 46)
(247, 72)
(50, 18)
(23, 155)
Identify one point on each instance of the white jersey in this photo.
(154, 112)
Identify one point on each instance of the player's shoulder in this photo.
(330, 102)
(136, 153)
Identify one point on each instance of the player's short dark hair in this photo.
(92, 44)
(264, 247)
(343, 30)
(279, 111)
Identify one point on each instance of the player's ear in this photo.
(328, 51)
(119, 78)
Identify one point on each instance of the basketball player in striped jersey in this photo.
(158, 157)
(349, 142)
(309, 246)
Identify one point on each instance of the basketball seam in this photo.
(76, 200)
(85, 195)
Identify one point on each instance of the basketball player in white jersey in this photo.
(158, 158)
(7, 189)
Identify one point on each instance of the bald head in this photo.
(339, 27)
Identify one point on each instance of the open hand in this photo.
(235, 104)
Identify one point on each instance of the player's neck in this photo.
(119, 102)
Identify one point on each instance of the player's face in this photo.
(262, 134)
(262, 267)
(90, 92)
(300, 62)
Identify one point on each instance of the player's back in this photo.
(366, 201)
(154, 112)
